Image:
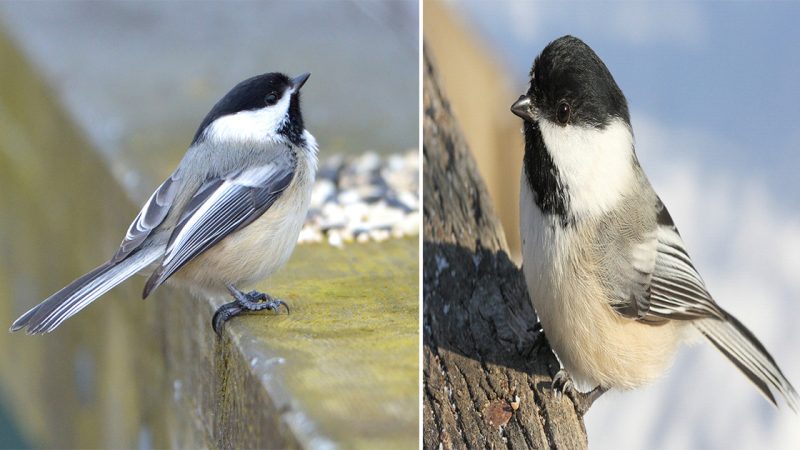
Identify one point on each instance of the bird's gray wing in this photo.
(151, 216)
(656, 280)
(221, 206)
(677, 292)
(50, 313)
(630, 270)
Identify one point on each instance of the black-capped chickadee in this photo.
(228, 216)
(607, 272)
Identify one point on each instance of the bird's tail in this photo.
(47, 315)
(736, 342)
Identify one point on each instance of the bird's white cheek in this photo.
(595, 165)
(255, 125)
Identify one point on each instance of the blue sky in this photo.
(714, 90)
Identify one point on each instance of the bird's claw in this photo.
(224, 313)
(252, 301)
(265, 302)
(563, 385)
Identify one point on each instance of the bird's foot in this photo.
(251, 301)
(563, 385)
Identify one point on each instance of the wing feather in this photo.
(677, 292)
(220, 207)
(661, 282)
(152, 214)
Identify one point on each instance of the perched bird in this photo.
(607, 272)
(228, 216)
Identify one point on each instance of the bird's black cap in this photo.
(569, 71)
(254, 93)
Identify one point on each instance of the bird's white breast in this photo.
(593, 342)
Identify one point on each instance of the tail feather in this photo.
(49, 314)
(744, 350)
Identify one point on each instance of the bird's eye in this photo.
(271, 99)
(563, 112)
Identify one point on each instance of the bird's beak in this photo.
(523, 107)
(299, 81)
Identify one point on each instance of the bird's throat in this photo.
(550, 192)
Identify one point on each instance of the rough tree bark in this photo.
(486, 380)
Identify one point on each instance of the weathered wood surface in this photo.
(486, 380)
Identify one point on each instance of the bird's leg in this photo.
(563, 384)
(251, 301)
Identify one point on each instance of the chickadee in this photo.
(607, 272)
(228, 216)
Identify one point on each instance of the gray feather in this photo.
(651, 277)
(152, 214)
(744, 350)
(49, 314)
(626, 252)
(220, 207)
(675, 291)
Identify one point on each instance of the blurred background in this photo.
(98, 102)
(712, 88)
(139, 77)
